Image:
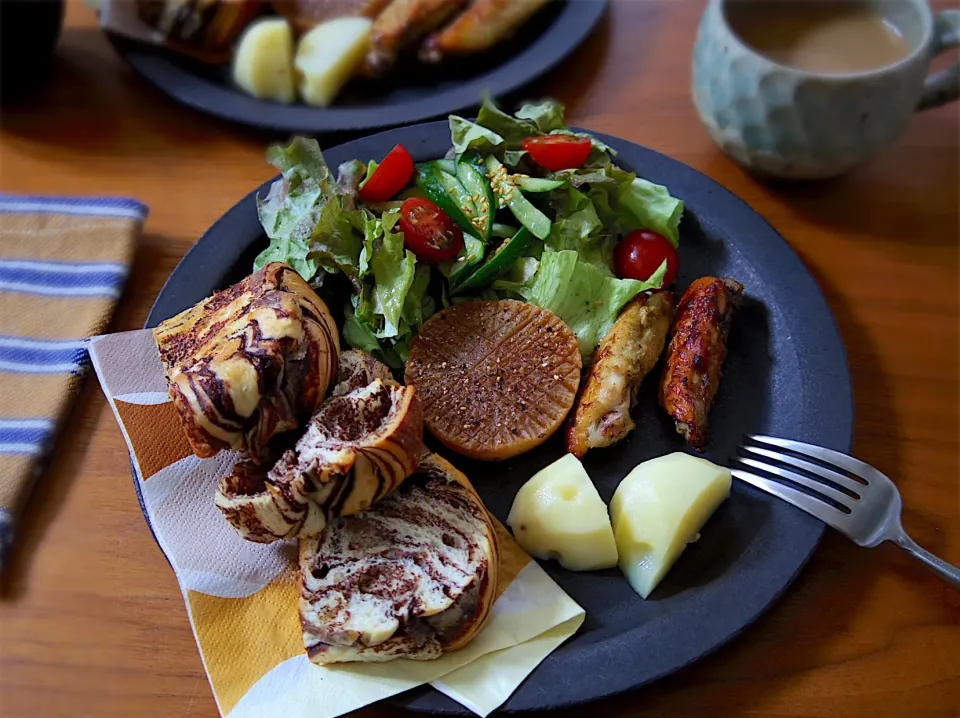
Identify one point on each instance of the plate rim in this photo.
(576, 22)
(424, 699)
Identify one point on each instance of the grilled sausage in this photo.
(697, 349)
(483, 25)
(400, 25)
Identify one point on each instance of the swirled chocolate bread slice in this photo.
(414, 576)
(250, 362)
(359, 446)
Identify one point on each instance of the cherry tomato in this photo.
(391, 176)
(558, 152)
(640, 254)
(428, 231)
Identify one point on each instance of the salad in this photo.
(521, 207)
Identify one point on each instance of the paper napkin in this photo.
(242, 597)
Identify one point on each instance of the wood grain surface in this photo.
(92, 621)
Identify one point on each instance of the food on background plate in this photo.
(205, 29)
(482, 25)
(327, 56)
(558, 514)
(412, 577)
(401, 25)
(263, 64)
(695, 355)
(359, 447)
(659, 508)
(496, 378)
(250, 362)
(304, 15)
(337, 39)
(625, 356)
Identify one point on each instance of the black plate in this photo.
(786, 374)
(413, 94)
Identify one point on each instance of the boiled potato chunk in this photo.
(263, 64)
(559, 514)
(659, 508)
(328, 55)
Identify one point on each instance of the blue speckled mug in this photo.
(784, 122)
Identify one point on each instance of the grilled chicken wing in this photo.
(697, 349)
(402, 24)
(482, 26)
(625, 356)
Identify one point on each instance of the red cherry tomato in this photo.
(391, 176)
(558, 152)
(640, 254)
(428, 231)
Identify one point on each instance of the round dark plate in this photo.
(785, 374)
(411, 94)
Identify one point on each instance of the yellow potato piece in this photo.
(659, 508)
(263, 63)
(327, 57)
(559, 514)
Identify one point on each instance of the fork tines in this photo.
(810, 477)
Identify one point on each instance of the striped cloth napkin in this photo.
(63, 264)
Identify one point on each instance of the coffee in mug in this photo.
(810, 88)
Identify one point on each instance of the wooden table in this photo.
(93, 623)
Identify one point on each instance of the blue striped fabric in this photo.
(40, 356)
(62, 279)
(63, 264)
(24, 436)
(95, 206)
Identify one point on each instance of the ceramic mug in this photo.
(785, 122)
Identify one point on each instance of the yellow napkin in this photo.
(242, 596)
(63, 264)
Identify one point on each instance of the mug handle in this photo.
(943, 86)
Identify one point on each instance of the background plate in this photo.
(414, 94)
(786, 374)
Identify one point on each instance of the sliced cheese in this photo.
(558, 514)
(659, 508)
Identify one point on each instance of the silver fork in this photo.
(851, 496)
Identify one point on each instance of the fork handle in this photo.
(946, 570)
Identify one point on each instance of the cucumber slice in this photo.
(448, 166)
(496, 265)
(536, 184)
(528, 215)
(456, 270)
(448, 194)
(472, 177)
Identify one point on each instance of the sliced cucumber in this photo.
(456, 270)
(471, 175)
(504, 187)
(448, 166)
(496, 264)
(448, 194)
(536, 184)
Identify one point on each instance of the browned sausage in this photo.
(697, 349)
